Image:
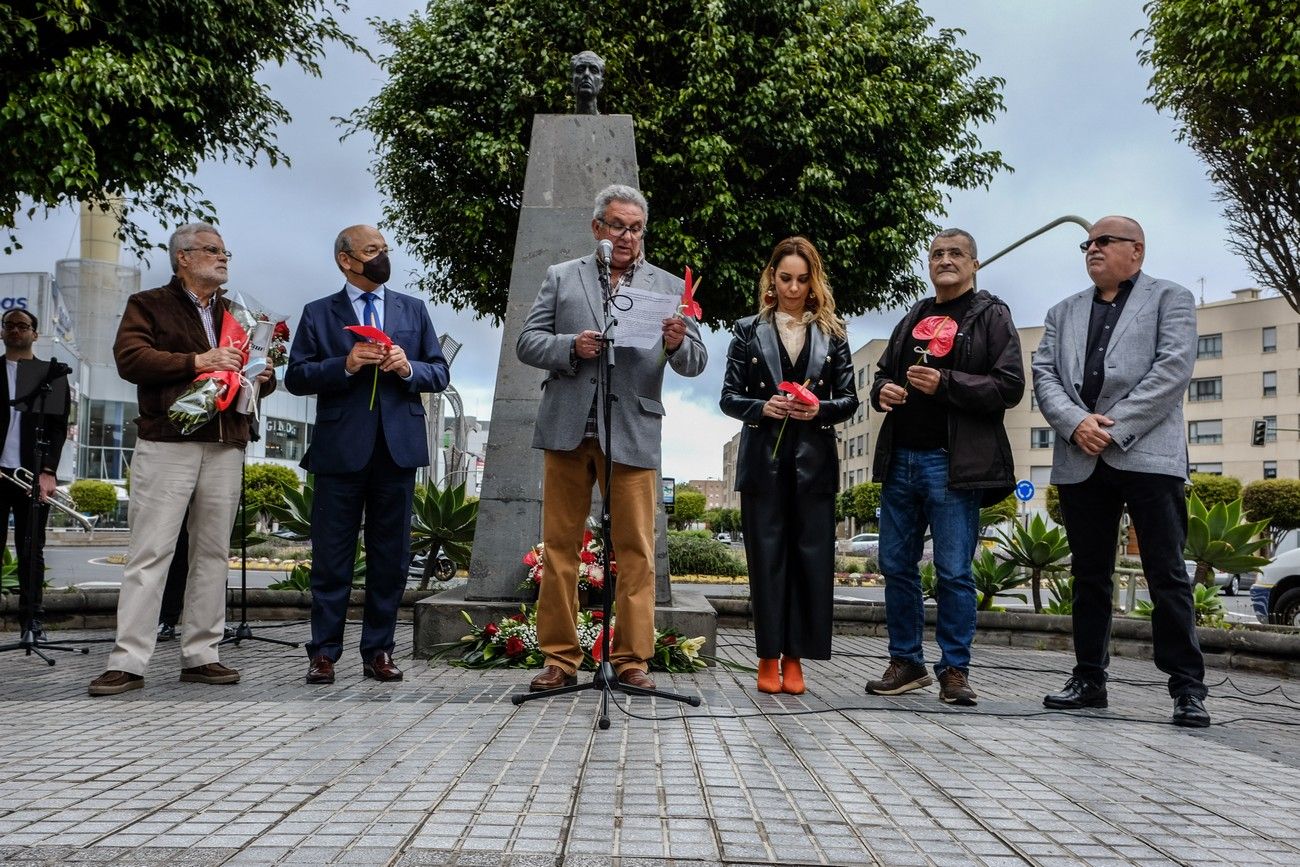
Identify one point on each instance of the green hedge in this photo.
(695, 553)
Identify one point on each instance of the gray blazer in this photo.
(1148, 366)
(569, 302)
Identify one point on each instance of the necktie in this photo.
(370, 314)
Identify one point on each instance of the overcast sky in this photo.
(1076, 131)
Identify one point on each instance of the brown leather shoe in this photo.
(636, 677)
(320, 670)
(381, 668)
(552, 677)
(213, 672)
(113, 682)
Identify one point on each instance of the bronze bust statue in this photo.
(588, 79)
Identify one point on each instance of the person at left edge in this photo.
(364, 459)
(18, 435)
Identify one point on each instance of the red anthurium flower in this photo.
(800, 393)
(491, 629)
(530, 559)
(515, 646)
(689, 306)
(940, 331)
(370, 332)
(669, 639)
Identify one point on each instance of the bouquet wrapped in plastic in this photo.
(250, 327)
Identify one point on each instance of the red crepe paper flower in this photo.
(939, 331)
(689, 306)
(800, 393)
(374, 335)
(515, 646)
(370, 332)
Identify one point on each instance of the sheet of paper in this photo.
(642, 325)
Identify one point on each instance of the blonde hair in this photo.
(820, 302)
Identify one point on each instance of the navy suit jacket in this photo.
(346, 427)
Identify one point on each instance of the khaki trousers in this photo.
(568, 478)
(166, 477)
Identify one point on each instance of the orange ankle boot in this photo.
(791, 676)
(769, 676)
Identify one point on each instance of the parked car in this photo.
(724, 537)
(861, 545)
(1275, 596)
(1230, 583)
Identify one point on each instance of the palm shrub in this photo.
(1218, 538)
(1061, 589)
(1037, 549)
(1205, 602)
(443, 519)
(994, 577)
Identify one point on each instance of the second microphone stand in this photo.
(605, 678)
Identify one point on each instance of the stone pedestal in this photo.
(570, 159)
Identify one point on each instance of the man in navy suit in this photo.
(364, 457)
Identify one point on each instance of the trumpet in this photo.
(22, 477)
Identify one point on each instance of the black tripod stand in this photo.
(32, 639)
(605, 679)
(244, 632)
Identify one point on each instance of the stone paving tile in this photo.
(442, 769)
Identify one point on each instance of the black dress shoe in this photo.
(1077, 693)
(1189, 711)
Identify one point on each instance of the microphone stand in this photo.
(31, 641)
(605, 678)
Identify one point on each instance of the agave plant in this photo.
(1037, 549)
(1062, 592)
(294, 514)
(442, 519)
(994, 577)
(1206, 603)
(929, 580)
(1217, 538)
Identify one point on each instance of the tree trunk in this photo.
(1204, 574)
(1036, 580)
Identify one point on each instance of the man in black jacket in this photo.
(18, 450)
(951, 370)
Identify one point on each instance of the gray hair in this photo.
(182, 237)
(959, 233)
(619, 193)
(342, 242)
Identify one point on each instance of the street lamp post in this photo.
(1068, 218)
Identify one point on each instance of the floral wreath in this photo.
(591, 576)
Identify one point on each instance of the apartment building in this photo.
(714, 491)
(1247, 368)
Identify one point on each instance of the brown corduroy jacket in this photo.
(157, 341)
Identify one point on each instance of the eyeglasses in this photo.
(373, 251)
(1103, 241)
(211, 250)
(955, 253)
(618, 230)
(17, 326)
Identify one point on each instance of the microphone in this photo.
(604, 250)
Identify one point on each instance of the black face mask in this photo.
(377, 270)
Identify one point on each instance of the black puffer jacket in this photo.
(987, 379)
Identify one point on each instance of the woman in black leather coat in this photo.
(787, 488)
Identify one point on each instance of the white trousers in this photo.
(167, 477)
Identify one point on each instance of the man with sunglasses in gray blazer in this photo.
(1110, 375)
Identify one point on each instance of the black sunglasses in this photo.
(1104, 241)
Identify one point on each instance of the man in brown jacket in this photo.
(168, 336)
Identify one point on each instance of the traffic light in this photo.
(1258, 432)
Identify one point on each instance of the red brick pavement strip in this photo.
(441, 768)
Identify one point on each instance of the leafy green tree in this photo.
(688, 507)
(845, 121)
(106, 98)
(866, 499)
(1230, 71)
(1213, 489)
(728, 520)
(844, 505)
(93, 496)
(265, 486)
(1054, 505)
(1276, 501)
(998, 513)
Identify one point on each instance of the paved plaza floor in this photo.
(443, 769)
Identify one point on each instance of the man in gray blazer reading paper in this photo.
(1110, 375)
(562, 335)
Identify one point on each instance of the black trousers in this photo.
(1158, 509)
(31, 576)
(790, 546)
(177, 575)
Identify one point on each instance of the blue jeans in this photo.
(916, 495)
